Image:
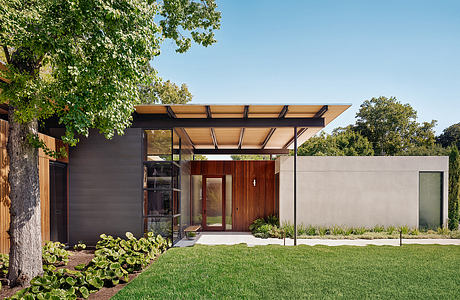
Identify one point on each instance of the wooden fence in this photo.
(43, 164)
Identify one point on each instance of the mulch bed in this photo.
(76, 258)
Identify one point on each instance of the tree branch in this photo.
(7, 54)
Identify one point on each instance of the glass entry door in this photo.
(213, 202)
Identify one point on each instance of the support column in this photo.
(295, 186)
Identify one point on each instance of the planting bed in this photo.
(98, 274)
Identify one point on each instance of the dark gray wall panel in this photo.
(105, 192)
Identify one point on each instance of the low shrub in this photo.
(455, 234)
(54, 253)
(113, 260)
(79, 246)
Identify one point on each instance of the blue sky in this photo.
(328, 52)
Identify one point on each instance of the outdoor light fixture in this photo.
(254, 182)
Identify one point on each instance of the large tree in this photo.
(450, 136)
(454, 187)
(80, 62)
(342, 142)
(392, 127)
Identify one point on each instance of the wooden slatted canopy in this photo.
(240, 129)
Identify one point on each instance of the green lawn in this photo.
(270, 272)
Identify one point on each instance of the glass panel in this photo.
(161, 226)
(228, 202)
(430, 200)
(161, 175)
(176, 146)
(158, 145)
(158, 203)
(176, 228)
(213, 202)
(197, 199)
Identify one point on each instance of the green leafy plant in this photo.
(414, 231)
(391, 230)
(4, 264)
(53, 253)
(378, 228)
(443, 230)
(79, 246)
(404, 229)
(113, 260)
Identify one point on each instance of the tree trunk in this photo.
(25, 224)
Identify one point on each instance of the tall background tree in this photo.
(450, 136)
(160, 91)
(81, 62)
(342, 142)
(391, 126)
(454, 187)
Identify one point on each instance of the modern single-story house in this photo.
(148, 180)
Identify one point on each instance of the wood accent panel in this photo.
(4, 190)
(248, 202)
(44, 177)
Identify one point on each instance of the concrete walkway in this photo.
(234, 238)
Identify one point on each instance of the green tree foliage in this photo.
(199, 157)
(391, 126)
(454, 187)
(95, 51)
(164, 92)
(81, 62)
(339, 143)
(450, 136)
(250, 157)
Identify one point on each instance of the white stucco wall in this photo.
(356, 191)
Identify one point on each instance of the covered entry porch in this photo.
(228, 195)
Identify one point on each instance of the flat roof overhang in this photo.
(239, 129)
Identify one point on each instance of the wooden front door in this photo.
(213, 202)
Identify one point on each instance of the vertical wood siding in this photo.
(248, 202)
(44, 177)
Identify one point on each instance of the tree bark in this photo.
(25, 224)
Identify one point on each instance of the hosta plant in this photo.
(4, 263)
(79, 246)
(54, 254)
(113, 260)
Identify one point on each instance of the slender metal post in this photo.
(295, 186)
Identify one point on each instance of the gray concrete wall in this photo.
(356, 191)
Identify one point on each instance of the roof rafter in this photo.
(240, 142)
(282, 114)
(321, 111)
(300, 131)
